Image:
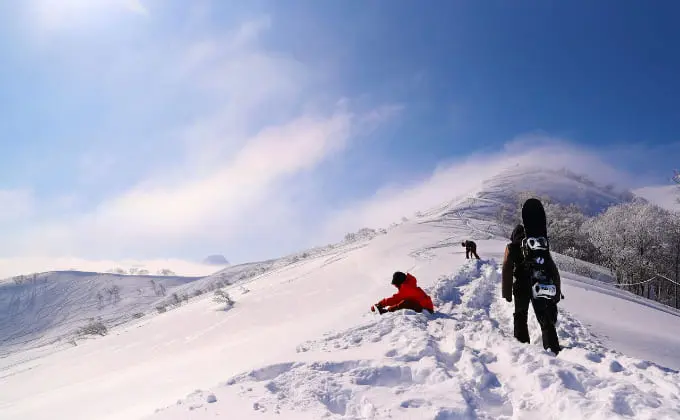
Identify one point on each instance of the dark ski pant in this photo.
(546, 314)
(472, 251)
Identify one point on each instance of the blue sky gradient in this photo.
(110, 107)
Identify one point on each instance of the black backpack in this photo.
(537, 265)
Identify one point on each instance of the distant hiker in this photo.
(409, 296)
(544, 309)
(470, 249)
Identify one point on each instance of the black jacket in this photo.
(512, 265)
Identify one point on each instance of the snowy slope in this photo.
(47, 307)
(459, 363)
(301, 343)
(561, 185)
(305, 333)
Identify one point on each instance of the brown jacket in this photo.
(507, 274)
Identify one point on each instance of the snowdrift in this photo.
(461, 362)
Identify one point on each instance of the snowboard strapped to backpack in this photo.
(535, 251)
(535, 248)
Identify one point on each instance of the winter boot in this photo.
(521, 328)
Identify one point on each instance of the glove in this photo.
(507, 294)
(380, 308)
(558, 297)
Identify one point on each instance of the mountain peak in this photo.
(216, 259)
(562, 186)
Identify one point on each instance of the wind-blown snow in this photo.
(301, 343)
(665, 196)
(562, 185)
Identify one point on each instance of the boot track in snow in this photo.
(460, 363)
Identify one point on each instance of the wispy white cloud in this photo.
(16, 205)
(464, 176)
(228, 138)
(257, 131)
(210, 206)
(94, 167)
(53, 15)
(135, 6)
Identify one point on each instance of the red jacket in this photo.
(409, 290)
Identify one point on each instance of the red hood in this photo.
(410, 280)
(409, 291)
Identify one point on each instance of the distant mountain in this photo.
(46, 307)
(500, 191)
(216, 260)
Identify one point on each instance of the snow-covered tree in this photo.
(115, 293)
(671, 259)
(93, 327)
(175, 299)
(223, 297)
(158, 288)
(564, 229)
(629, 238)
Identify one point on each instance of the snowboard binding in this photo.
(536, 250)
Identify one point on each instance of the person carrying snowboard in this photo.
(470, 249)
(537, 280)
(408, 296)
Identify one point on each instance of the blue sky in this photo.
(156, 129)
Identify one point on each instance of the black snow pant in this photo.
(546, 314)
(471, 251)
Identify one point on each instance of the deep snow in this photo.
(301, 343)
(306, 332)
(458, 363)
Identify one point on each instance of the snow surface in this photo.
(48, 307)
(301, 343)
(562, 185)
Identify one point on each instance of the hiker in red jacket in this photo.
(409, 296)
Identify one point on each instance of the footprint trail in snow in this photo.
(460, 363)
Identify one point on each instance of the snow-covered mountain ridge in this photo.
(500, 191)
(140, 297)
(49, 307)
(300, 342)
